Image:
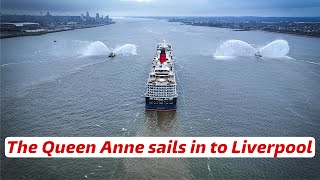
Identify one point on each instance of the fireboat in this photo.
(258, 55)
(112, 54)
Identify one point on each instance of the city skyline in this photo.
(165, 7)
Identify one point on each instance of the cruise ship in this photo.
(161, 92)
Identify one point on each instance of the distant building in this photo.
(87, 15)
(97, 17)
(19, 26)
(48, 14)
(107, 18)
(83, 18)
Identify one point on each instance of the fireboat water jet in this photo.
(234, 48)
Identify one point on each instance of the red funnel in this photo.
(163, 57)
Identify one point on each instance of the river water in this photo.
(70, 88)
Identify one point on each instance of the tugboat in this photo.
(112, 54)
(258, 55)
(161, 94)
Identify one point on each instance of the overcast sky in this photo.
(165, 7)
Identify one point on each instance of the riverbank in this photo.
(299, 33)
(305, 26)
(37, 32)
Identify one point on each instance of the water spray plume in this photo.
(235, 48)
(126, 49)
(96, 48)
(278, 48)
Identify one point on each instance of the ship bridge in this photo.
(165, 45)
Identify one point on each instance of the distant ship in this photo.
(161, 92)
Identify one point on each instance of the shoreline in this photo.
(47, 31)
(281, 32)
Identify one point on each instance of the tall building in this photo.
(97, 17)
(87, 15)
(83, 18)
(107, 18)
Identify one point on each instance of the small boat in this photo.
(112, 55)
(258, 55)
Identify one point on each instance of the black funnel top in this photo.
(163, 51)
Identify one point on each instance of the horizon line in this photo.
(137, 16)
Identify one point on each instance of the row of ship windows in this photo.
(161, 91)
(161, 87)
(153, 92)
(161, 102)
(162, 95)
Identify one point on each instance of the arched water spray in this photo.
(96, 48)
(278, 48)
(235, 48)
(127, 49)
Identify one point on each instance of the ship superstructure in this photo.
(161, 92)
